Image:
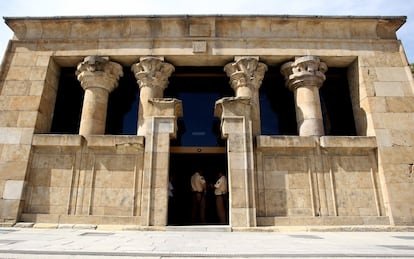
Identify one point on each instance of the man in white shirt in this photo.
(171, 202)
(198, 187)
(220, 190)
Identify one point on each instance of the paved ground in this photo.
(205, 243)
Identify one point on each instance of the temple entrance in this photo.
(183, 163)
(199, 145)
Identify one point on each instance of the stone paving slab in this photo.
(91, 243)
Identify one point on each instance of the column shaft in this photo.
(308, 111)
(94, 109)
(304, 77)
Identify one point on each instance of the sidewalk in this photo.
(202, 243)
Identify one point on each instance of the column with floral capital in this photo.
(304, 77)
(246, 76)
(98, 77)
(152, 75)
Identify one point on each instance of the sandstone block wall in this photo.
(389, 112)
(307, 177)
(75, 176)
(298, 180)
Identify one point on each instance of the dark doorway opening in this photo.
(277, 105)
(338, 117)
(122, 114)
(198, 88)
(199, 145)
(68, 105)
(182, 167)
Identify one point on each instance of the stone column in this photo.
(246, 75)
(304, 77)
(236, 127)
(99, 77)
(152, 75)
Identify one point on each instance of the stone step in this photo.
(323, 221)
(200, 228)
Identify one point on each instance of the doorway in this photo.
(199, 145)
(183, 163)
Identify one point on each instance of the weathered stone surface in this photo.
(304, 77)
(309, 179)
(13, 190)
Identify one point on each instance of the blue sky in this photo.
(274, 7)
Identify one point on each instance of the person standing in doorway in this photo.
(171, 203)
(220, 190)
(198, 187)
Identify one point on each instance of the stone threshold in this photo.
(212, 228)
(200, 228)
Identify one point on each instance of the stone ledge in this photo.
(329, 143)
(92, 27)
(285, 142)
(117, 143)
(348, 143)
(121, 143)
(57, 140)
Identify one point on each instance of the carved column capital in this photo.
(152, 72)
(245, 72)
(304, 71)
(152, 75)
(304, 77)
(99, 72)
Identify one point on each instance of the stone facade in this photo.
(274, 180)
